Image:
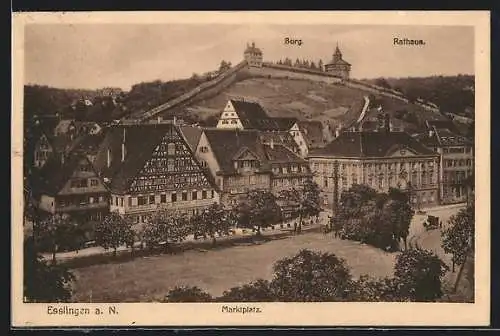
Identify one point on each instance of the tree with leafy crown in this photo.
(187, 294)
(113, 232)
(44, 282)
(165, 227)
(418, 274)
(458, 236)
(305, 198)
(56, 230)
(311, 276)
(215, 220)
(258, 209)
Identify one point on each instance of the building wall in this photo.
(339, 70)
(229, 118)
(47, 203)
(299, 139)
(380, 174)
(457, 163)
(42, 152)
(253, 59)
(129, 204)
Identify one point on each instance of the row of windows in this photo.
(458, 163)
(82, 200)
(246, 164)
(457, 150)
(41, 155)
(84, 183)
(380, 181)
(374, 166)
(291, 169)
(227, 122)
(152, 199)
(288, 182)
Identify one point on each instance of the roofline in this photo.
(327, 156)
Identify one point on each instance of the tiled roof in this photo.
(279, 153)
(140, 141)
(253, 116)
(191, 135)
(338, 62)
(226, 143)
(443, 138)
(55, 173)
(312, 131)
(280, 137)
(370, 144)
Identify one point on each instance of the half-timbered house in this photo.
(149, 167)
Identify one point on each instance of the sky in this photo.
(92, 56)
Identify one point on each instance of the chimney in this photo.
(271, 143)
(159, 119)
(431, 132)
(387, 123)
(108, 157)
(175, 120)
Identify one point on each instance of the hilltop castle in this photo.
(253, 55)
(338, 66)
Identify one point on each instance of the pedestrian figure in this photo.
(440, 224)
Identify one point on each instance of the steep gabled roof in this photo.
(253, 116)
(140, 141)
(88, 143)
(370, 144)
(191, 135)
(280, 153)
(226, 143)
(312, 131)
(280, 137)
(52, 177)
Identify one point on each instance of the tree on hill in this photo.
(382, 82)
(313, 65)
(258, 209)
(311, 276)
(418, 274)
(320, 65)
(113, 232)
(297, 63)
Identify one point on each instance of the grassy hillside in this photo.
(453, 94)
(305, 99)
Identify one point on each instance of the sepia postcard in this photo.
(250, 169)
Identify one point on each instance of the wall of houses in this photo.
(457, 163)
(380, 174)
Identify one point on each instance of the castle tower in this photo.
(338, 66)
(253, 55)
